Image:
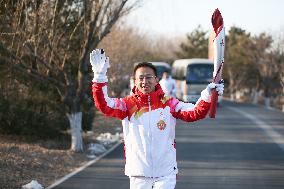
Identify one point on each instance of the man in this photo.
(149, 120)
(168, 84)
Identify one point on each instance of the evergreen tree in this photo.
(196, 45)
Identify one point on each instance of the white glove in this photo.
(100, 64)
(206, 93)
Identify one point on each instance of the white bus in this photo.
(192, 76)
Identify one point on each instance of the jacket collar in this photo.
(155, 95)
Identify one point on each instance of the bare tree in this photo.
(237, 67)
(261, 55)
(126, 46)
(278, 59)
(50, 41)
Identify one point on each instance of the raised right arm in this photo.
(113, 107)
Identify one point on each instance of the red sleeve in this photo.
(189, 112)
(114, 107)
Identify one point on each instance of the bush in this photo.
(16, 118)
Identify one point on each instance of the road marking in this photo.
(275, 136)
(83, 167)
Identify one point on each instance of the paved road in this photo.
(242, 149)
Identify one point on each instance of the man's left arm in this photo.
(190, 112)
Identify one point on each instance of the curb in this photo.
(83, 167)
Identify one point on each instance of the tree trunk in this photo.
(232, 97)
(255, 95)
(267, 102)
(267, 95)
(231, 86)
(75, 120)
(282, 98)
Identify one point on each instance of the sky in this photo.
(178, 17)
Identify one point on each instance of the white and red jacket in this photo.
(149, 122)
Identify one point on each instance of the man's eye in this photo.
(146, 77)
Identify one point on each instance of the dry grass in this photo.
(23, 160)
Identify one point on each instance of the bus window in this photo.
(192, 76)
(199, 73)
(161, 70)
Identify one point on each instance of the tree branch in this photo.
(29, 71)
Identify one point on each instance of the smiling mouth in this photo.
(145, 87)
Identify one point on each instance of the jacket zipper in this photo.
(151, 140)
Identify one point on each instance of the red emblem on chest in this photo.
(161, 125)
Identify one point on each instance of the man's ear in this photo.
(134, 82)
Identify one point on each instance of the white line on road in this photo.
(83, 167)
(269, 131)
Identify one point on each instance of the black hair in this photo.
(145, 64)
(166, 71)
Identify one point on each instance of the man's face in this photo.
(145, 80)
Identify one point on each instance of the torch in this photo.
(219, 47)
